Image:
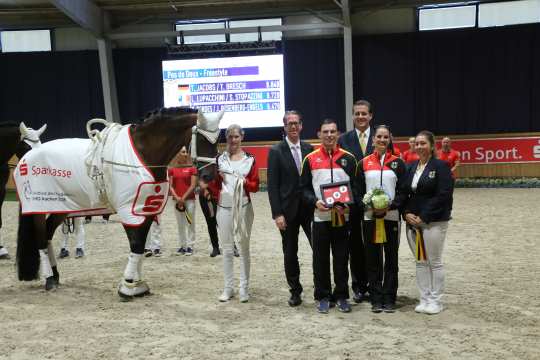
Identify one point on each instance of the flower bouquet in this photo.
(377, 199)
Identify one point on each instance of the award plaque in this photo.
(337, 193)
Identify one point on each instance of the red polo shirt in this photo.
(450, 157)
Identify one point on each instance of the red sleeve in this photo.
(170, 172)
(252, 179)
(214, 186)
(194, 171)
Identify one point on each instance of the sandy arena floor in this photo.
(492, 297)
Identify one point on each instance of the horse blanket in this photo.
(57, 178)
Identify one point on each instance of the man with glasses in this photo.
(288, 210)
(358, 142)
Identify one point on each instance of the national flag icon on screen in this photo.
(184, 97)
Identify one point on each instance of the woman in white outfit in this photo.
(238, 177)
(429, 189)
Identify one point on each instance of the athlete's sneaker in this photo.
(157, 252)
(227, 295)
(181, 251)
(189, 251)
(79, 253)
(433, 308)
(421, 307)
(343, 305)
(323, 306)
(63, 253)
(148, 253)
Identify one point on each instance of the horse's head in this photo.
(204, 144)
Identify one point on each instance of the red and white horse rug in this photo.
(90, 175)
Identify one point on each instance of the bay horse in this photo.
(121, 168)
(16, 139)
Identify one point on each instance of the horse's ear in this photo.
(201, 120)
(212, 120)
(41, 130)
(23, 129)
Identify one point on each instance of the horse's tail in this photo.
(27, 249)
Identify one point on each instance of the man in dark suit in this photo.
(358, 141)
(288, 211)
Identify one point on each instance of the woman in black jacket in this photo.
(429, 189)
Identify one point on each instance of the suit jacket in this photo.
(350, 142)
(284, 181)
(432, 200)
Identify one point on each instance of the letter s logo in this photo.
(153, 203)
(23, 169)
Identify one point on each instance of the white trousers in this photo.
(224, 219)
(78, 232)
(186, 231)
(153, 238)
(430, 273)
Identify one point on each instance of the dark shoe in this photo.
(63, 253)
(148, 253)
(343, 305)
(295, 300)
(377, 308)
(181, 251)
(157, 252)
(215, 252)
(189, 251)
(323, 306)
(358, 297)
(79, 253)
(389, 308)
(236, 253)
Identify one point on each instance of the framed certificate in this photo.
(337, 193)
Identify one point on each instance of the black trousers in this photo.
(289, 241)
(210, 217)
(382, 262)
(326, 237)
(357, 253)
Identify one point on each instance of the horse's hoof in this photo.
(50, 283)
(129, 290)
(56, 276)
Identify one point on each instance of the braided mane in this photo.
(160, 113)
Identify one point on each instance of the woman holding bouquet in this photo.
(380, 176)
(427, 210)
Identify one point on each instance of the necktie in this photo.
(363, 142)
(296, 156)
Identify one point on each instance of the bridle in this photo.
(211, 136)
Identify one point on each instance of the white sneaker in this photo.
(227, 295)
(244, 295)
(421, 308)
(433, 308)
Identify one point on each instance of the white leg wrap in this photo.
(52, 258)
(46, 269)
(132, 267)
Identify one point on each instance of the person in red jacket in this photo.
(410, 156)
(449, 155)
(238, 178)
(183, 180)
